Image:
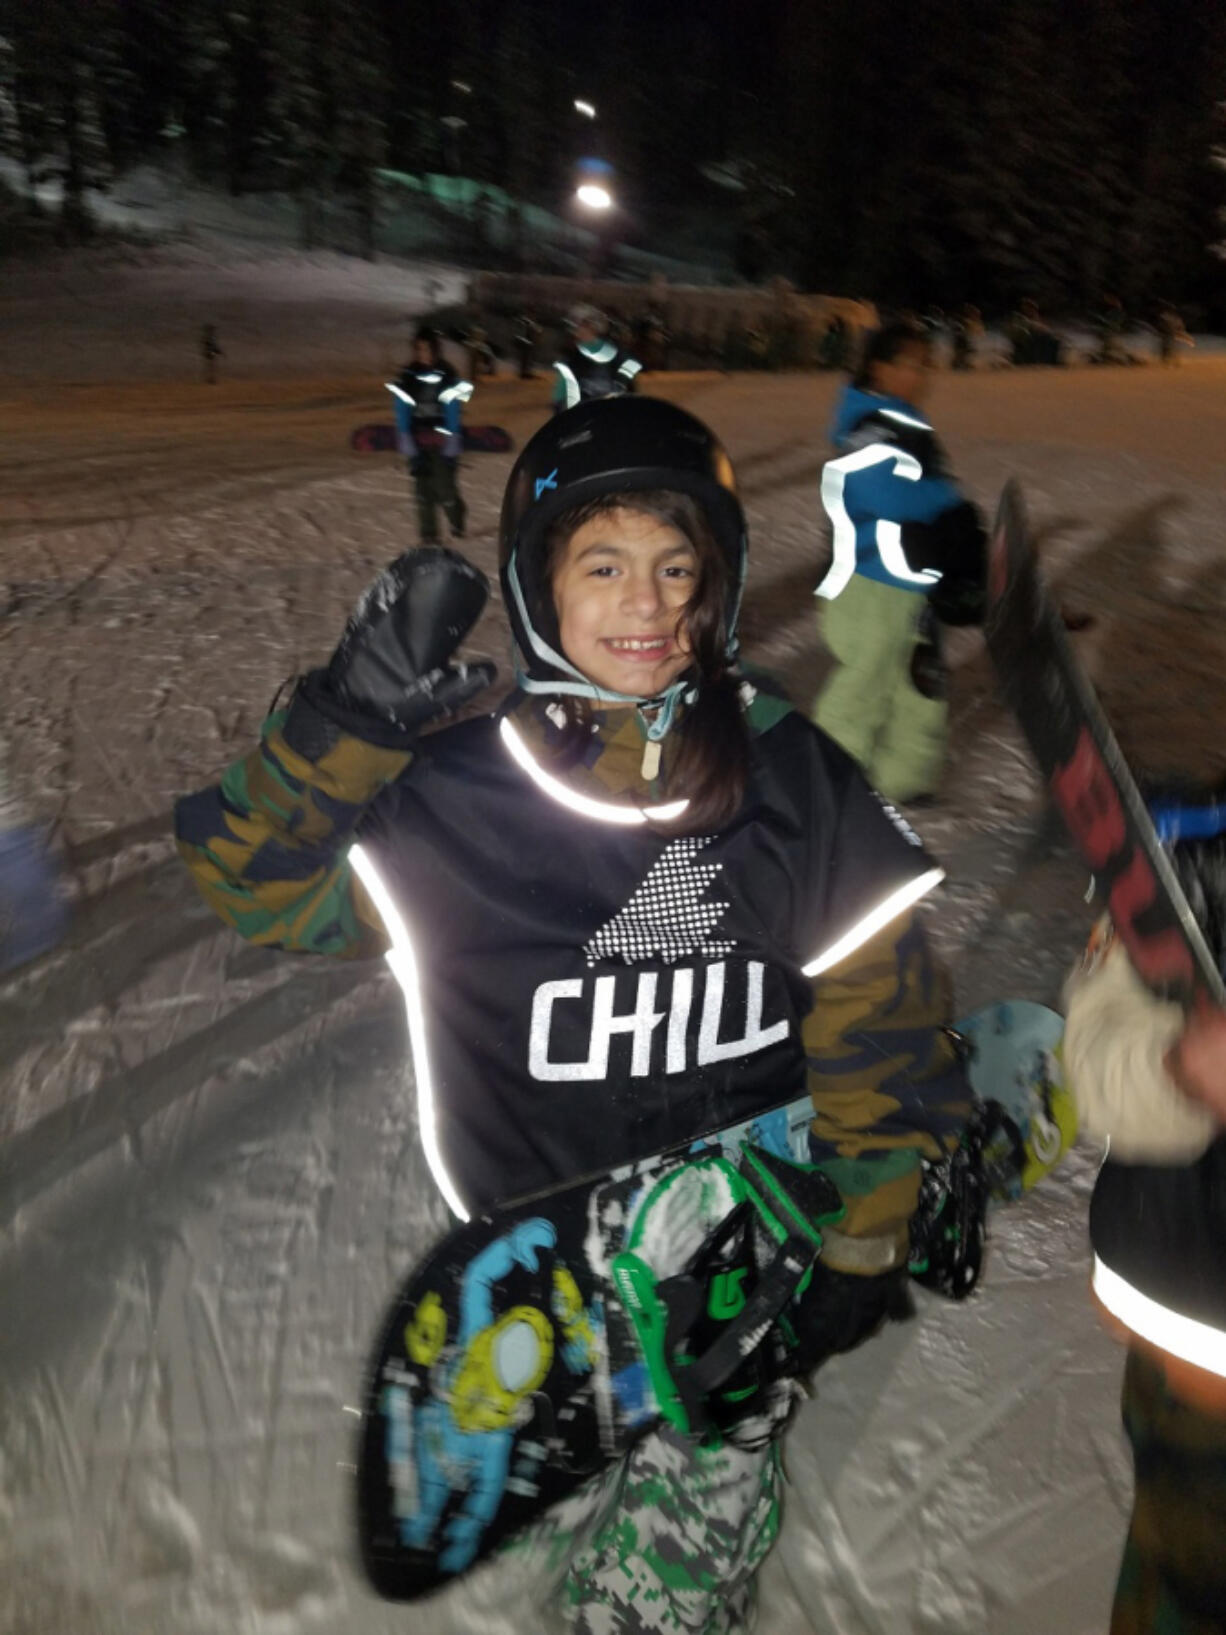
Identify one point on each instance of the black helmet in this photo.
(610, 445)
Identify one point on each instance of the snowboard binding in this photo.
(715, 1335)
(949, 1226)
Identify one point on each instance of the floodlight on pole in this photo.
(587, 109)
(594, 196)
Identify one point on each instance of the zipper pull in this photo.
(651, 760)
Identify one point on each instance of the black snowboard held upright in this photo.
(1087, 776)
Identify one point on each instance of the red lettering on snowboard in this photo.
(1087, 796)
(1090, 802)
(1160, 955)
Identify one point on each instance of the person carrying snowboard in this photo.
(429, 398)
(593, 366)
(1150, 1081)
(646, 898)
(902, 531)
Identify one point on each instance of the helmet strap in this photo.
(573, 683)
(657, 713)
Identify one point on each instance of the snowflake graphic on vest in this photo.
(668, 917)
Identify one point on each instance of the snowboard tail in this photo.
(1086, 773)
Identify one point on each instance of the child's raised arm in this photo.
(268, 845)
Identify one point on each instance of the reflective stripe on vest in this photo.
(1184, 1337)
(888, 534)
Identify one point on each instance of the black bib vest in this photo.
(595, 992)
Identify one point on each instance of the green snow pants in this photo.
(869, 704)
(434, 479)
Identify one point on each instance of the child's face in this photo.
(619, 590)
(908, 376)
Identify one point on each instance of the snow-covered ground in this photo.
(209, 1173)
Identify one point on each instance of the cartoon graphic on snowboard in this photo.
(535, 1344)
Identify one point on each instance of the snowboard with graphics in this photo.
(1086, 773)
(538, 1342)
(1013, 1058)
(379, 437)
(1023, 1121)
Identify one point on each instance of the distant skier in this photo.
(527, 337)
(429, 398)
(480, 353)
(1172, 334)
(1111, 322)
(900, 528)
(1031, 338)
(1150, 1081)
(834, 348)
(653, 339)
(593, 366)
(967, 336)
(210, 351)
(937, 326)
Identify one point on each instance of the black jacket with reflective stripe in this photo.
(1162, 1228)
(596, 992)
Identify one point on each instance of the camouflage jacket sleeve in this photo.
(268, 845)
(886, 1085)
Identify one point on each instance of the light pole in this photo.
(596, 206)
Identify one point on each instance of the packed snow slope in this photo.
(210, 1177)
(130, 311)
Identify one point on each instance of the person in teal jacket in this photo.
(902, 533)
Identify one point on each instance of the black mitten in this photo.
(955, 544)
(839, 1310)
(392, 663)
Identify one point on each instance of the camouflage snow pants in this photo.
(1173, 1577)
(667, 1540)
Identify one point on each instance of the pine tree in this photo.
(58, 79)
(361, 130)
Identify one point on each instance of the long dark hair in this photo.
(883, 346)
(706, 758)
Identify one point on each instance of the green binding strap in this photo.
(636, 1285)
(685, 1215)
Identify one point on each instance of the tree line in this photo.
(905, 150)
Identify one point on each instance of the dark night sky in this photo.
(906, 149)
